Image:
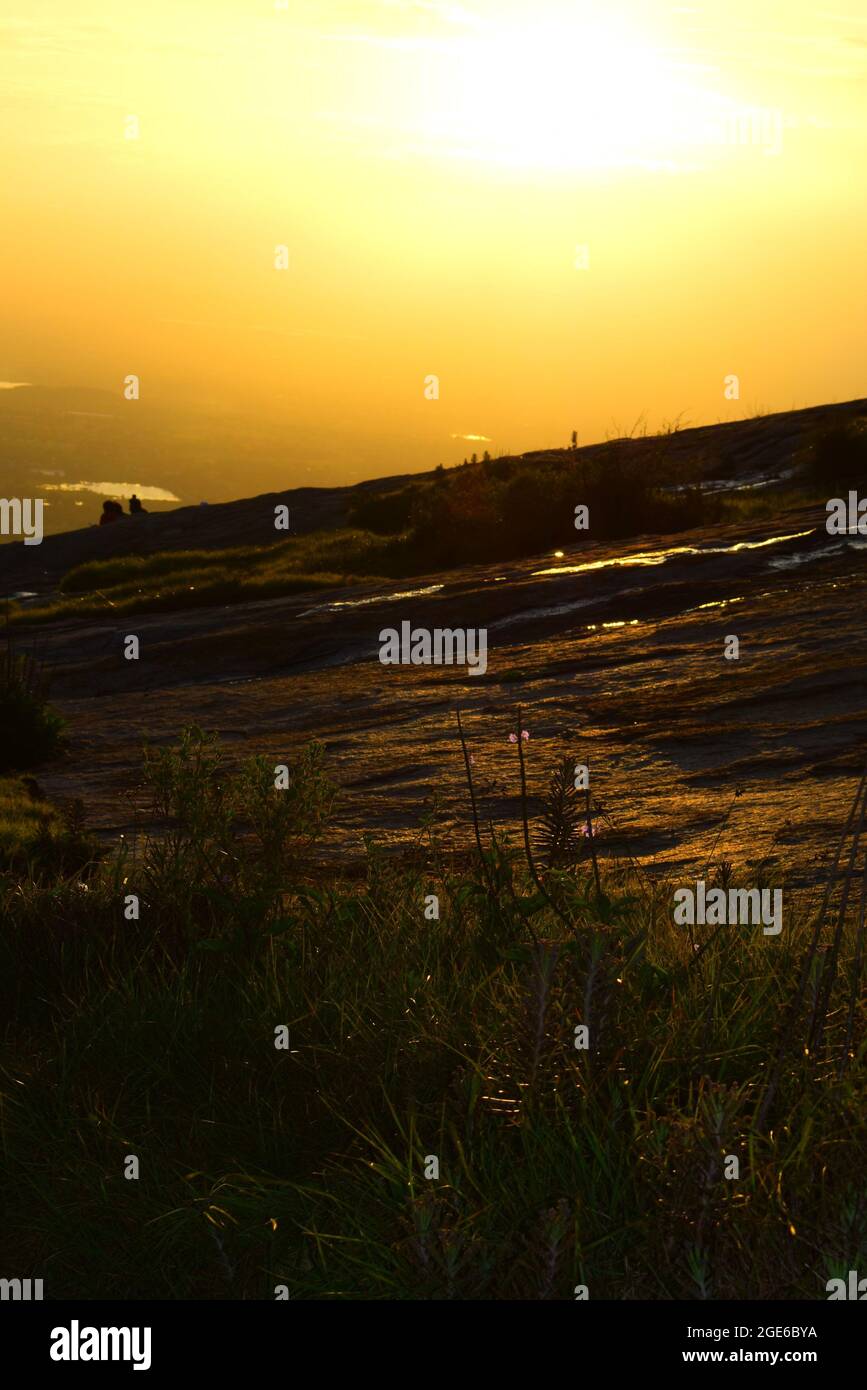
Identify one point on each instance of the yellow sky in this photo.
(432, 168)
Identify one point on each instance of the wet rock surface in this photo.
(614, 655)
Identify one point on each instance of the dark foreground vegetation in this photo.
(411, 1037)
(30, 729)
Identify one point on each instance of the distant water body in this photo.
(147, 494)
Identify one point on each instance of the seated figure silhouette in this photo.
(111, 511)
(136, 508)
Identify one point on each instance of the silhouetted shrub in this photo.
(30, 730)
(385, 512)
(837, 458)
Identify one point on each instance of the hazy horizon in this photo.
(574, 216)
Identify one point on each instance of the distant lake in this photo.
(147, 494)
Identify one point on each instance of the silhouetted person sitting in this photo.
(111, 511)
(136, 508)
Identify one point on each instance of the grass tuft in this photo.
(430, 1130)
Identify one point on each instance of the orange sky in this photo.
(432, 168)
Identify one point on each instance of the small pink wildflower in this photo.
(513, 738)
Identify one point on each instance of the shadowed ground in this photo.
(617, 664)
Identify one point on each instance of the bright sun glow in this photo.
(573, 94)
(543, 202)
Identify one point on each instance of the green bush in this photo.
(30, 730)
(837, 458)
(385, 513)
(37, 836)
(307, 1165)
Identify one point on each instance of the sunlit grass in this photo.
(33, 833)
(23, 820)
(174, 580)
(408, 1038)
(498, 509)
